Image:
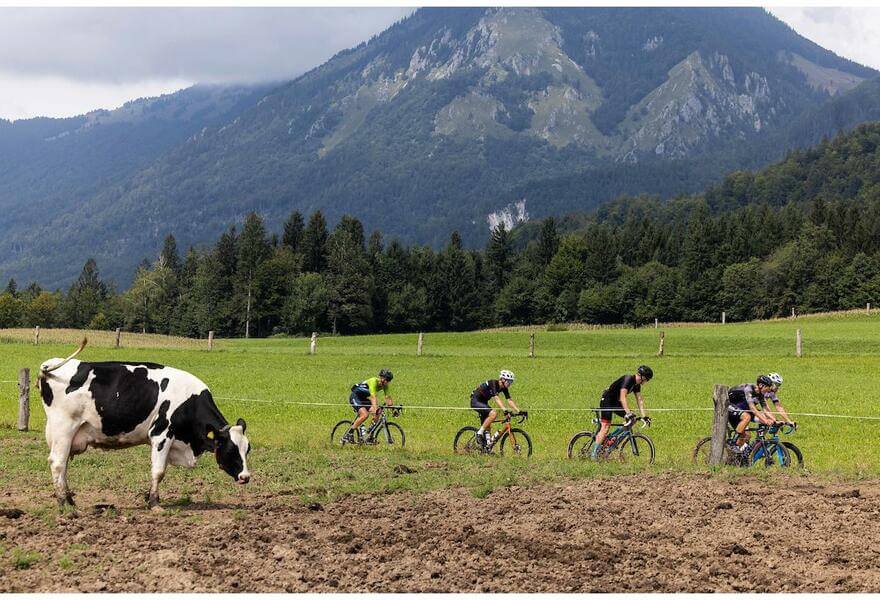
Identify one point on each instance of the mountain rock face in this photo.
(459, 119)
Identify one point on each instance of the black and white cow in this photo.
(122, 404)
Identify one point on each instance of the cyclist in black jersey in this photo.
(491, 389)
(614, 401)
(745, 402)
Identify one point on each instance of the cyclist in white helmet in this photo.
(491, 389)
(771, 397)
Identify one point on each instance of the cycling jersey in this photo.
(486, 391)
(489, 389)
(610, 402)
(745, 396)
(361, 393)
(624, 382)
(771, 397)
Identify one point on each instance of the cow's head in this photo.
(231, 448)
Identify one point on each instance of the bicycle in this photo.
(768, 451)
(520, 443)
(344, 434)
(620, 443)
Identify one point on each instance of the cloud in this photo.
(853, 32)
(208, 45)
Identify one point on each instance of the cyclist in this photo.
(770, 396)
(614, 402)
(746, 401)
(363, 400)
(491, 389)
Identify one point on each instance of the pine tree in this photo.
(314, 244)
(293, 231)
(499, 256)
(548, 241)
(253, 251)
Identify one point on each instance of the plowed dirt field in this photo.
(667, 532)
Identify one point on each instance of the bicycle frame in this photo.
(380, 423)
(622, 431)
(505, 428)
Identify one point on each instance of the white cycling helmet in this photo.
(506, 375)
(776, 378)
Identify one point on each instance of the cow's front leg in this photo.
(159, 457)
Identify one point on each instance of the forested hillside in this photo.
(803, 234)
(455, 119)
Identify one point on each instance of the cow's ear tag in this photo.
(210, 435)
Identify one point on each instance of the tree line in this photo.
(803, 234)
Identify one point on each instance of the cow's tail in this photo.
(47, 369)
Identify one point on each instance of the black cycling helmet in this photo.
(765, 381)
(646, 372)
(386, 375)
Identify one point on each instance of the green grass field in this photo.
(261, 379)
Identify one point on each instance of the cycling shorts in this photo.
(357, 400)
(609, 409)
(481, 406)
(734, 415)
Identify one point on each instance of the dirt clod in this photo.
(847, 494)
(724, 506)
(315, 506)
(402, 469)
(11, 513)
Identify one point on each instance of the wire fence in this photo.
(467, 408)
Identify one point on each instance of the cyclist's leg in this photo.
(607, 411)
(744, 420)
(359, 409)
(486, 416)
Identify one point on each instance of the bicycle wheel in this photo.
(636, 449)
(391, 434)
(581, 445)
(339, 430)
(466, 441)
(704, 448)
(796, 455)
(520, 445)
(770, 454)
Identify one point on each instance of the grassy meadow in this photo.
(261, 380)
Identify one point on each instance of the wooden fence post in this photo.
(210, 341)
(656, 322)
(793, 315)
(719, 424)
(799, 344)
(24, 398)
(37, 335)
(421, 344)
(868, 309)
(532, 346)
(662, 342)
(118, 337)
(723, 317)
(313, 345)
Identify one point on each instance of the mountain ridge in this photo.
(442, 120)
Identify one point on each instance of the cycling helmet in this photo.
(386, 375)
(506, 375)
(775, 378)
(764, 380)
(646, 372)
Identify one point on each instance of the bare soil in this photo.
(664, 533)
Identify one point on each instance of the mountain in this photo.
(56, 166)
(457, 118)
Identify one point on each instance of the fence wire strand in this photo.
(455, 408)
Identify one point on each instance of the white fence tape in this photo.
(418, 407)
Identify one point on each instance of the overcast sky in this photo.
(66, 61)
